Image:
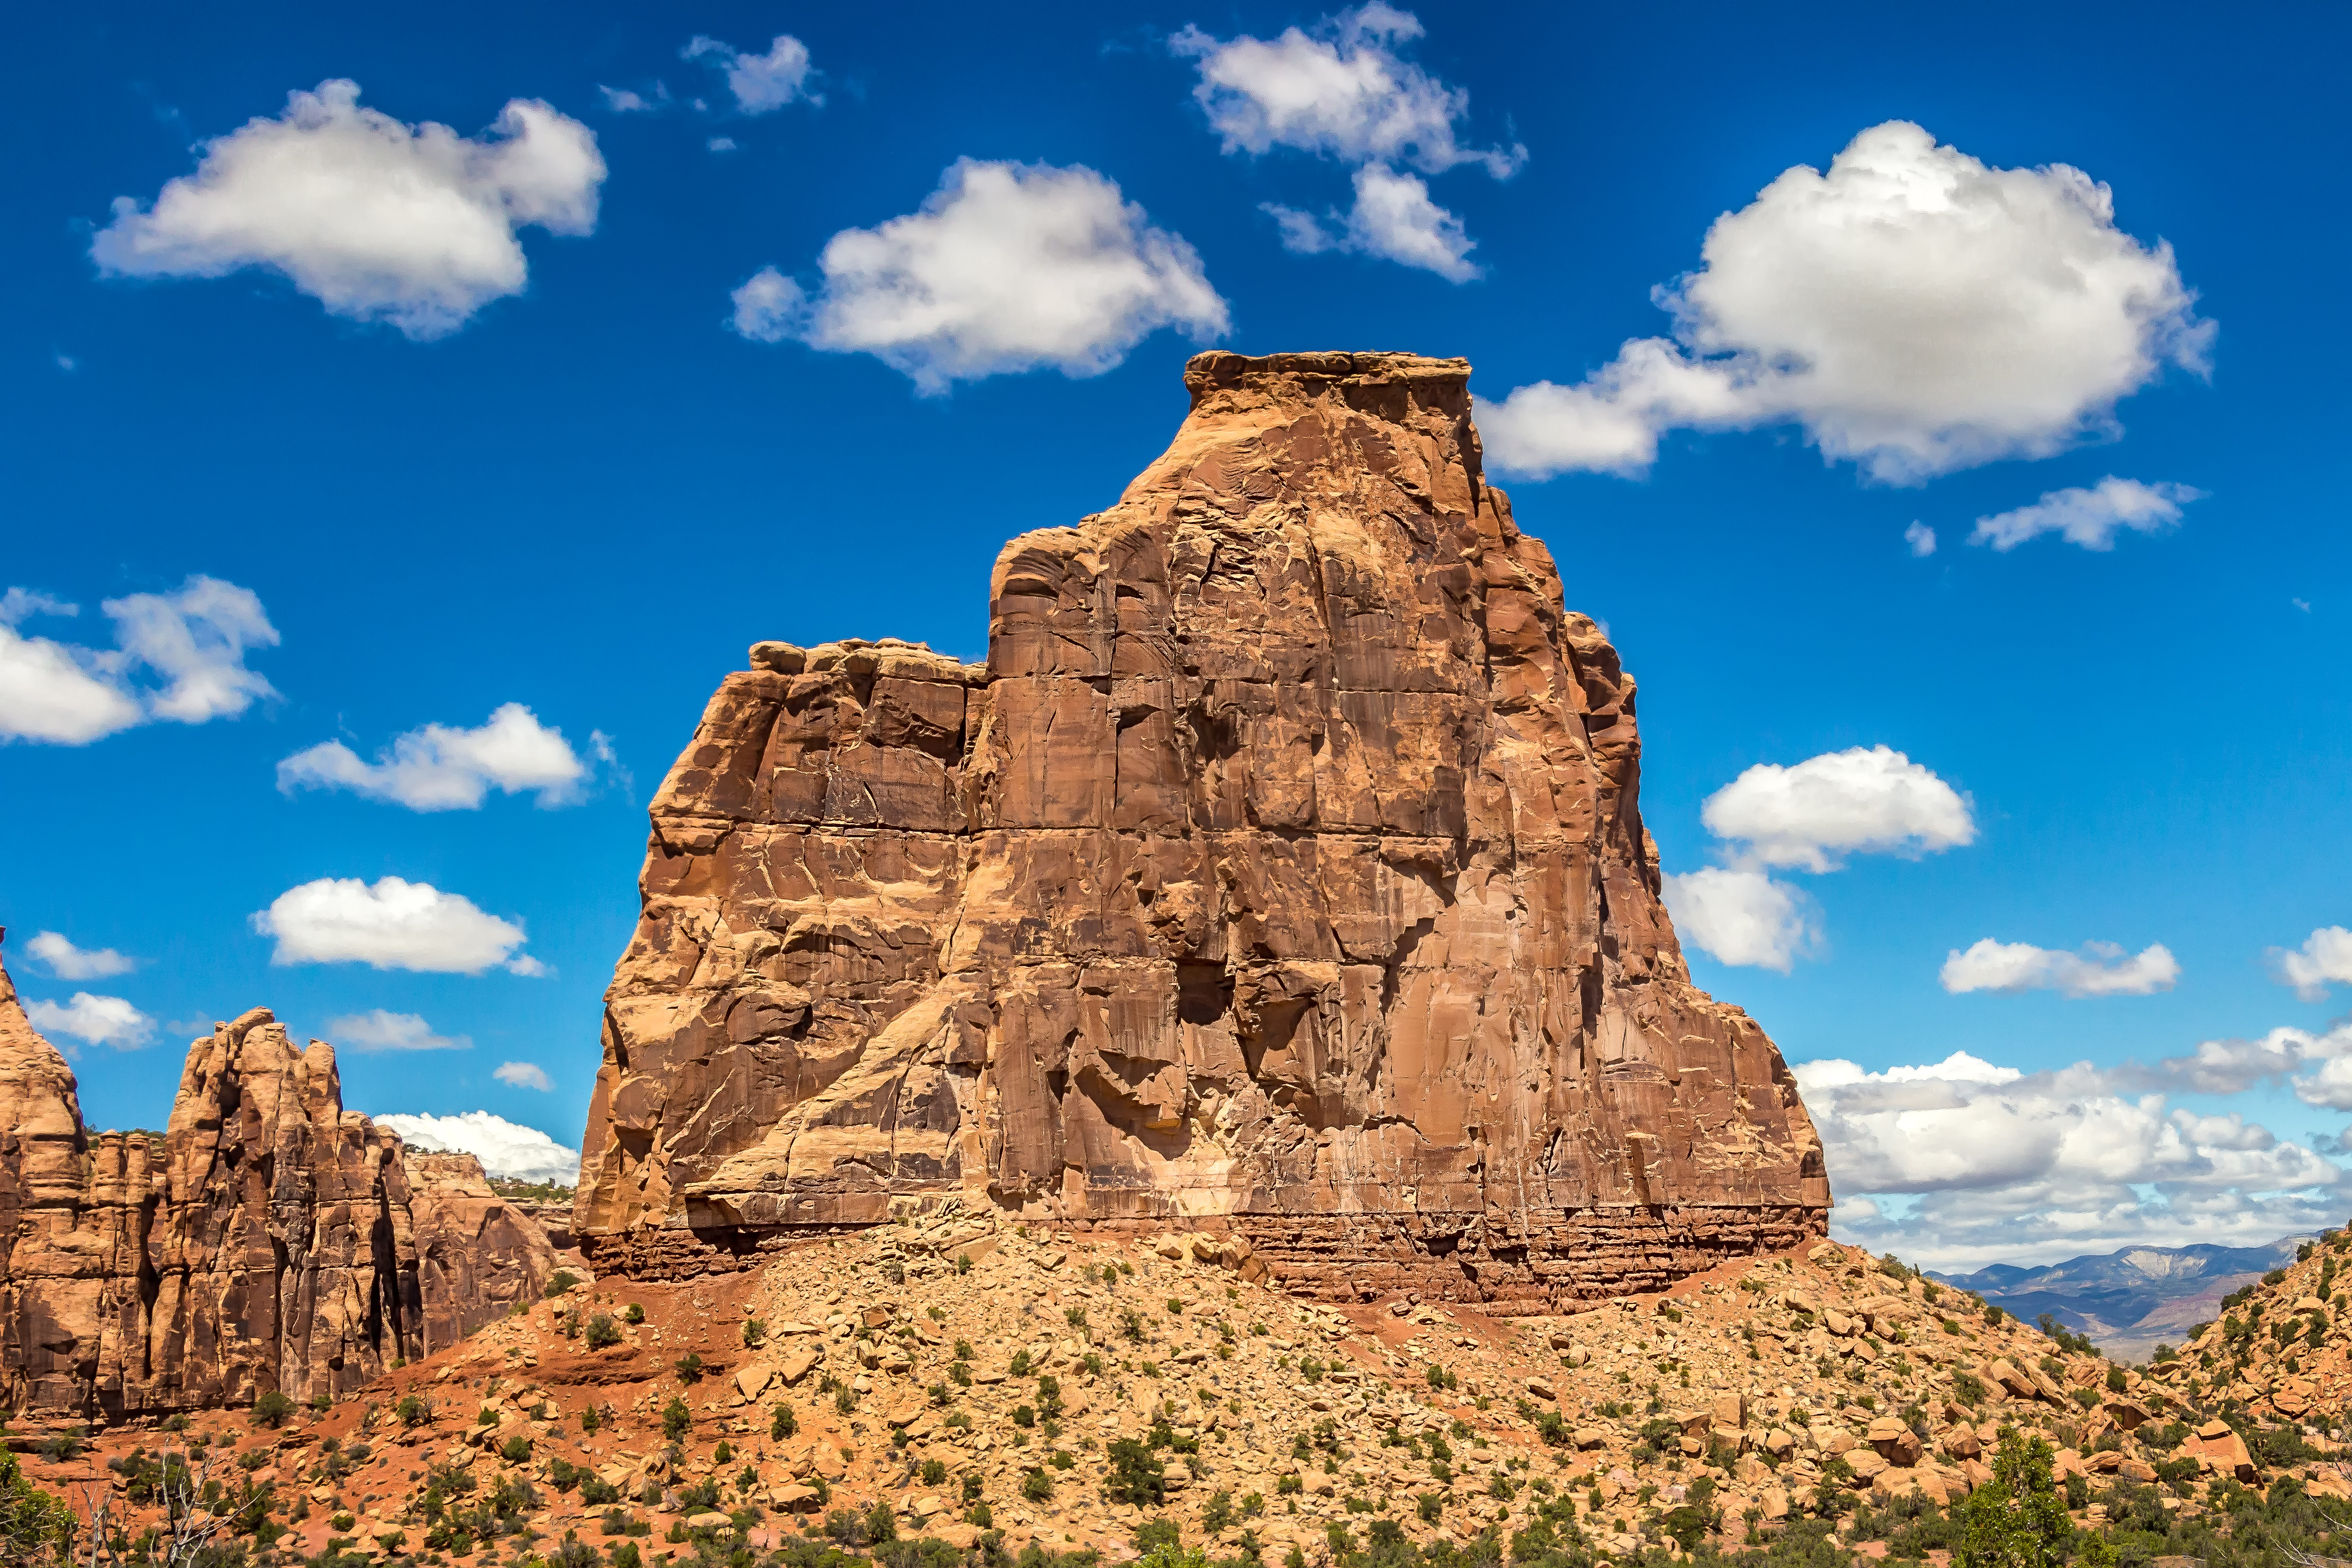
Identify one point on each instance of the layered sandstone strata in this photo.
(269, 1239)
(1281, 871)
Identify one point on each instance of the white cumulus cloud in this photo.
(505, 1148)
(196, 639)
(1343, 91)
(524, 1075)
(1920, 538)
(2324, 959)
(67, 962)
(1008, 266)
(378, 1030)
(1740, 917)
(1807, 816)
(1392, 218)
(2090, 518)
(94, 1020)
(1869, 799)
(394, 924)
(441, 768)
(2100, 969)
(762, 83)
(377, 220)
(2008, 1166)
(1913, 310)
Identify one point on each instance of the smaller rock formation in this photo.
(269, 1240)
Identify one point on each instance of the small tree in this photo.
(2020, 1520)
(33, 1524)
(271, 1409)
(602, 1332)
(677, 1420)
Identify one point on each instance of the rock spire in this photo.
(268, 1239)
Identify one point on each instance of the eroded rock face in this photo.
(1281, 871)
(269, 1240)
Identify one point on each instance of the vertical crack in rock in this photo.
(1281, 872)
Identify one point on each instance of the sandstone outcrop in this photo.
(269, 1240)
(1281, 872)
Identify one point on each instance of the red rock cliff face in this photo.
(269, 1240)
(1281, 872)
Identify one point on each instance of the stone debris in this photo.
(1279, 1416)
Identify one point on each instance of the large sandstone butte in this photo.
(270, 1240)
(1280, 872)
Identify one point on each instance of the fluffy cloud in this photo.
(196, 639)
(524, 1075)
(1344, 92)
(378, 1030)
(1862, 800)
(2100, 969)
(1865, 800)
(375, 219)
(1393, 218)
(1913, 310)
(2089, 518)
(438, 768)
(1008, 266)
(1997, 1165)
(1340, 93)
(505, 1148)
(2324, 959)
(94, 1020)
(1920, 538)
(1740, 917)
(2296, 1057)
(67, 962)
(393, 925)
(762, 83)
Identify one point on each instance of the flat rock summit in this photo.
(1281, 873)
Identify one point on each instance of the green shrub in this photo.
(412, 1411)
(1037, 1485)
(783, 1423)
(688, 1368)
(602, 1332)
(271, 1409)
(677, 1420)
(633, 1313)
(560, 1281)
(1136, 1477)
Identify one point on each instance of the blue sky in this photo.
(556, 456)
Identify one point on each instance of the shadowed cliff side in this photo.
(1282, 872)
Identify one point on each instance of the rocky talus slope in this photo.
(1281, 870)
(269, 1240)
(2280, 1347)
(985, 1384)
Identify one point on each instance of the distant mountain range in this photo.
(2130, 1301)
